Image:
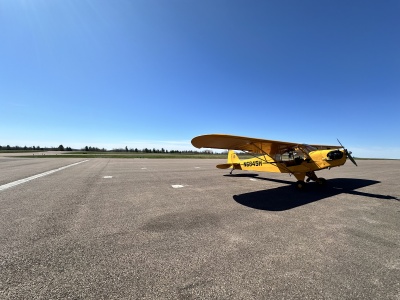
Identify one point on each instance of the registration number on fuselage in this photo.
(256, 163)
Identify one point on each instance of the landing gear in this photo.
(311, 176)
(321, 181)
(300, 184)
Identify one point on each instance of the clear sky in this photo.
(156, 73)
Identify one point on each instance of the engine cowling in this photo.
(335, 154)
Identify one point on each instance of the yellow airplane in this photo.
(300, 160)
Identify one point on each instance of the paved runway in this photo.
(182, 229)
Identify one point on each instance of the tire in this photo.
(321, 181)
(300, 185)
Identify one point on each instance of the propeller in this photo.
(348, 153)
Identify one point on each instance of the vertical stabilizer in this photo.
(233, 162)
(233, 158)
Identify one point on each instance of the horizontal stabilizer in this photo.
(227, 166)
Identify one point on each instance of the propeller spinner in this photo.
(348, 153)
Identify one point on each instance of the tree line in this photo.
(34, 148)
(96, 149)
(148, 150)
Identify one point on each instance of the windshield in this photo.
(307, 148)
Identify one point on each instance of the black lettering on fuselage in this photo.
(256, 163)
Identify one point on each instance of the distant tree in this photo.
(126, 148)
(86, 148)
(61, 148)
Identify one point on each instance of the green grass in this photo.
(19, 151)
(89, 154)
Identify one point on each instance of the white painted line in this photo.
(143, 168)
(197, 167)
(177, 186)
(12, 184)
(253, 179)
(107, 177)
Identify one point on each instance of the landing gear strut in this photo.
(319, 180)
(300, 184)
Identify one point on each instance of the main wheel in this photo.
(300, 185)
(321, 181)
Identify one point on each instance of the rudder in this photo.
(232, 157)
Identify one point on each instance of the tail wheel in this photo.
(321, 181)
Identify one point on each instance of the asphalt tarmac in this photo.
(182, 229)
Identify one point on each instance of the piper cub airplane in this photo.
(301, 160)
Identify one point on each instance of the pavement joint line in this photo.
(15, 183)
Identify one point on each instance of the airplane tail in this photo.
(232, 158)
(232, 162)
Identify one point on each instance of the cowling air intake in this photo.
(335, 154)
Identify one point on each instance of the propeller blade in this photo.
(340, 143)
(351, 158)
(348, 154)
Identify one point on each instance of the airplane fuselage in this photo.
(299, 166)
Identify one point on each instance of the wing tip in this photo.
(196, 142)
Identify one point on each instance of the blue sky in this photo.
(116, 73)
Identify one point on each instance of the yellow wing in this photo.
(254, 145)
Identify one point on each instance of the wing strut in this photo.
(265, 159)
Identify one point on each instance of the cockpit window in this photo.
(308, 148)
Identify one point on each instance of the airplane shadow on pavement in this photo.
(287, 197)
